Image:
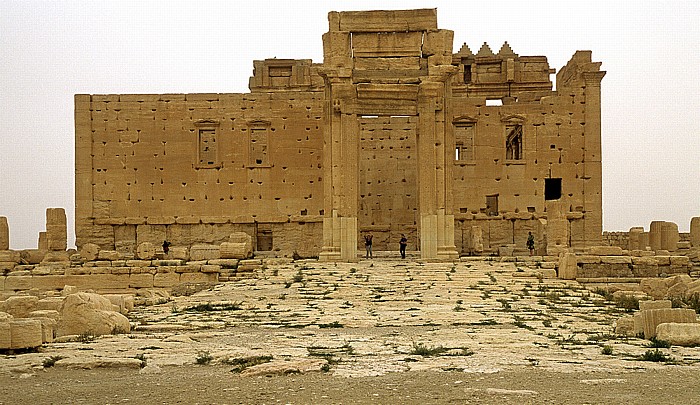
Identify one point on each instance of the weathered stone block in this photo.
(166, 280)
(568, 266)
(89, 251)
(654, 287)
(144, 280)
(18, 283)
(19, 306)
(146, 251)
(25, 333)
(199, 277)
(236, 250)
(606, 250)
(654, 304)
(90, 313)
(654, 317)
(616, 259)
(204, 252)
(624, 326)
(4, 234)
(108, 255)
(679, 334)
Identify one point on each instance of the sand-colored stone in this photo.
(653, 317)
(205, 252)
(90, 313)
(695, 232)
(568, 266)
(25, 333)
(89, 251)
(19, 306)
(679, 334)
(654, 304)
(56, 229)
(333, 151)
(146, 251)
(4, 234)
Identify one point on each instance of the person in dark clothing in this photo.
(530, 243)
(166, 247)
(402, 246)
(368, 246)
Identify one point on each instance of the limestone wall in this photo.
(299, 149)
(151, 167)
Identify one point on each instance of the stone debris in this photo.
(87, 313)
(681, 334)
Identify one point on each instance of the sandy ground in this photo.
(368, 332)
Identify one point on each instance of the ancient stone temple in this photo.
(394, 133)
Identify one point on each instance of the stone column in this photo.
(4, 234)
(56, 229)
(669, 236)
(434, 177)
(655, 235)
(695, 232)
(635, 235)
(593, 172)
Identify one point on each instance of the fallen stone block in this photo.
(234, 250)
(19, 306)
(654, 317)
(25, 333)
(654, 287)
(679, 334)
(651, 304)
(90, 313)
(625, 326)
(568, 266)
(146, 251)
(89, 251)
(204, 252)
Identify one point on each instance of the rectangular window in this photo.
(552, 189)
(263, 237)
(207, 150)
(492, 205)
(259, 144)
(464, 142)
(514, 142)
(467, 74)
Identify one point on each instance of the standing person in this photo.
(530, 243)
(402, 246)
(166, 247)
(368, 246)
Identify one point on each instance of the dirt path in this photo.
(217, 385)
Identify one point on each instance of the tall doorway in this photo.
(388, 192)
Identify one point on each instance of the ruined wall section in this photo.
(195, 167)
(511, 159)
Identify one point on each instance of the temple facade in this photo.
(394, 133)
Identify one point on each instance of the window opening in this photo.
(467, 74)
(552, 189)
(464, 142)
(492, 205)
(207, 151)
(514, 142)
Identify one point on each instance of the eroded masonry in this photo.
(465, 153)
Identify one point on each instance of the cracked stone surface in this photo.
(371, 319)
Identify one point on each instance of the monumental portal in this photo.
(464, 153)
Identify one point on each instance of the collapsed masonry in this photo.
(393, 133)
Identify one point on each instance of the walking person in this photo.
(530, 243)
(402, 246)
(368, 246)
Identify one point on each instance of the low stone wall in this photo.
(123, 276)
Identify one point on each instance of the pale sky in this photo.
(50, 51)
